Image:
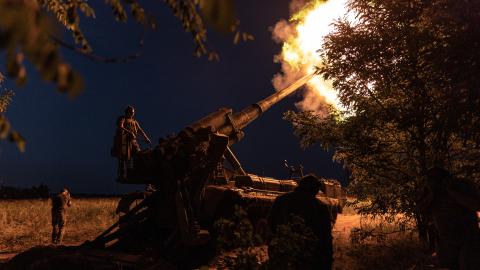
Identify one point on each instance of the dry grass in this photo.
(27, 223)
(362, 242)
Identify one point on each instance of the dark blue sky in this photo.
(69, 140)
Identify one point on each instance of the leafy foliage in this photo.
(217, 13)
(235, 233)
(6, 97)
(292, 246)
(408, 71)
(238, 233)
(32, 30)
(28, 31)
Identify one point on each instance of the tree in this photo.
(6, 132)
(408, 72)
(31, 30)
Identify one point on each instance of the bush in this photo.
(292, 245)
(238, 235)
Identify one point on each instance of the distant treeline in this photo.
(35, 192)
(95, 195)
(41, 192)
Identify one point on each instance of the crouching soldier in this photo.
(60, 202)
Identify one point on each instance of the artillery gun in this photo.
(191, 189)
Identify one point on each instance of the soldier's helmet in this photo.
(310, 184)
(129, 110)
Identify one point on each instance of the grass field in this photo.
(362, 242)
(26, 223)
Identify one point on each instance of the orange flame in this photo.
(302, 36)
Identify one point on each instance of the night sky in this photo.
(69, 140)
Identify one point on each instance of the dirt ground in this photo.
(340, 231)
(26, 224)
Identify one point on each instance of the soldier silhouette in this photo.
(302, 203)
(60, 203)
(294, 172)
(453, 206)
(125, 144)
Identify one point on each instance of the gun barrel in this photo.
(228, 123)
(246, 116)
(268, 102)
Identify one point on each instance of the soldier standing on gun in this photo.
(125, 141)
(131, 127)
(60, 202)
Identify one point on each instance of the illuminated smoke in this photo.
(302, 35)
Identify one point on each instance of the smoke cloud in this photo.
(318, 93)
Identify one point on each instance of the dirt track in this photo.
(341, 230)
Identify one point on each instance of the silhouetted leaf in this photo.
(220, 14)
(18, 140)
(4, 127)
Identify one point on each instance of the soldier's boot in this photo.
(54, 234)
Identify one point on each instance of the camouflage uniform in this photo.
(60, 202)
(302, 202)
(125, 144)
(129, 145)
